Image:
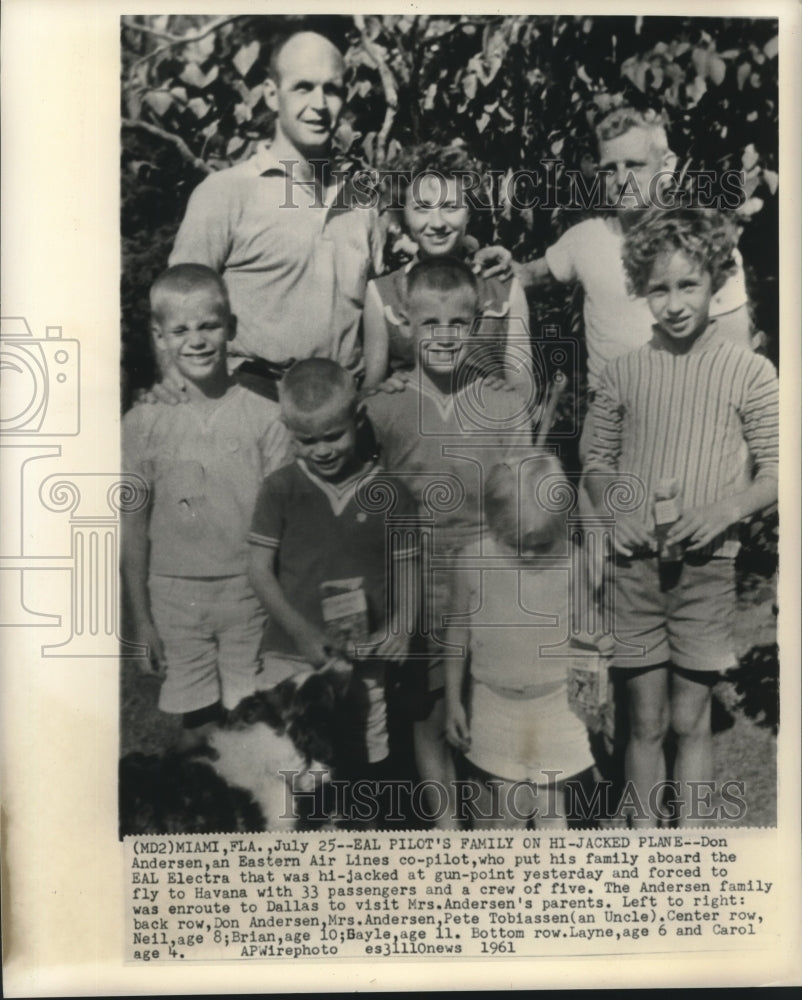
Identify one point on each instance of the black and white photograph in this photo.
(449, 369)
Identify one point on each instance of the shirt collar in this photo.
(339, 199)
(266, 162)
(708, 339)
(340, 495)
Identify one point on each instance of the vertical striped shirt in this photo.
(691, 417)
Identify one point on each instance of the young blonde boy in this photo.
(184, 554)
(324, 558)
(441, 434)
(683, 408)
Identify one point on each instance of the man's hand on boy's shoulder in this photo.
(496, 383)
(493, 262)
(397, 382)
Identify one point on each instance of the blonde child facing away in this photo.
(518, 729)
(185, 551)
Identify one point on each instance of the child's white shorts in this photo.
(211, 628)
(527, 739)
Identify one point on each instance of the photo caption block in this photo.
(380, 895)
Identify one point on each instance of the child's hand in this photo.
(700, 525)
(631, 535)
(313, 646)
(154, 662)
(493, 262)
(605, 643)
(458, 732)
(340, 667)
(144, 396)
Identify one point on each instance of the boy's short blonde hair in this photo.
(182, 279)
(533, 483)
(441, 274)
(315, 382)
(705, 235)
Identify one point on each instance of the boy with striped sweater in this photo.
(695, 408)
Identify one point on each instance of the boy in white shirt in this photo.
(185, 551)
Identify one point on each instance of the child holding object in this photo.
(513, 626)
(695, 418)
(326, 562)
(185, 552)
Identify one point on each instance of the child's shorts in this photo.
(211, 628)
(526, 739)
(683, 616)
